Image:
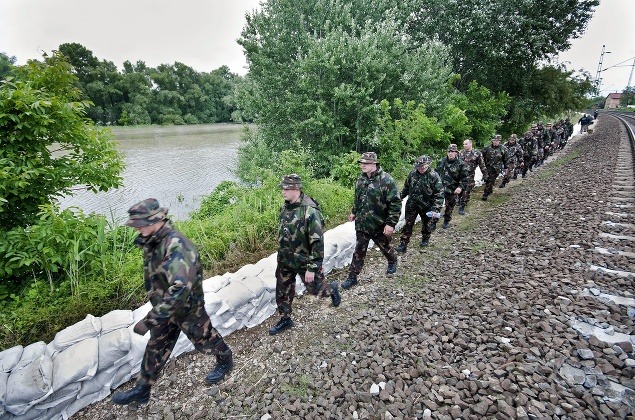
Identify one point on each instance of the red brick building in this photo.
(612, 101)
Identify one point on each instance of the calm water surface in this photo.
(175, 164)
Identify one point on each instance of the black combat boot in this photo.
(223, 365)
(336, 299)
(446, 224)
(392, 268)
(424, 242)
(484, 198)
(502, 185)
(462, 210)
(350, 281)
(139, 394)
(284, 324)
(401, 248)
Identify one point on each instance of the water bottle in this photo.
(432, 214)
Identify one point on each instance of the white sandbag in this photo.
(141, 312)
(77, 363)
(268, 279)
(87, 328)
(212, 303)
(67, 393)
(249, 270)
(114, 348)
(235, 294)
(102, 380)
(29, 385)
(4, 376)
(32, 352)
(9, 358)
(137, 349)
(214, 284)
(124, 374)
(84, 401)
(115, 319)
(255, 285)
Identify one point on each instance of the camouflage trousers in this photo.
(491, 180)
(513, 168)
(450, 203)
(361, 247)
(464, 198)
(197, 327)
(529, 161)
(285, 287)
(411, 218)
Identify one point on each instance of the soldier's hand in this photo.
(351, 217)
(458, 191)
(140, 328)
(309, 277)
(388, 230)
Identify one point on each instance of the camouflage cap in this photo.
(423, 160)
(291, 182)
(146, 213)
(497, 137)
(368, 157)
(453, 148)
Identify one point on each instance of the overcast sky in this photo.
(202, 33)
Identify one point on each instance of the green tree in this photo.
(6, 64)
(47, 146)
(628, 97)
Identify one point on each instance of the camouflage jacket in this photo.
(529, 146)
(453, 174)
(472, 159)
(301, 235)
(377, 202)
(495, 158)
(425, 190)
(172, 274)
(514, 152)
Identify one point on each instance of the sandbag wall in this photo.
(88, 359)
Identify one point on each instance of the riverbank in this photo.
(475, 326)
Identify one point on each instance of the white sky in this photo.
(202, 33)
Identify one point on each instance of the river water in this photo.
(175, 164)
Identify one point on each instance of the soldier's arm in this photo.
(393, 202)
(481, 164)
(465, 176)
(315, 237)
(439, 197)
(406, 187)
(174, 271)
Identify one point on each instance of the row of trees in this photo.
(319, 71)
(168, 94)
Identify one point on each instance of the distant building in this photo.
(612, 101)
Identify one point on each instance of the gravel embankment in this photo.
(475, 326)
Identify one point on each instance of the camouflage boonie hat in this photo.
(453, 148)
(291, 182)
(146, 213)
(423, 160)
(368, 157)
(497, 137)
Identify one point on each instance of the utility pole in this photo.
(598, 79)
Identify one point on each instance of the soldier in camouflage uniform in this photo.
(454, 175)
(540, 145)
(173, 279)
(495, 157)
(424, 190)
(300, 250)
(376, 211)
(530, 149)
(514, 161)
(472, 158)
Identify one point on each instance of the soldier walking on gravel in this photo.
(454, 175)
(424, 190)
(173, 279)
(300, 250)
(472, 158)
(530, 150)
(376, 211)
(495, 157)
(515, 160)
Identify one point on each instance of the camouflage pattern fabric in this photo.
(377, 202)
(425, 191)
(173, 281)
(285, 287)
(361, 248)
(300, 235)
(472, 159)
(495, 159)
(515, 159)
(530, 151)
(453, 173)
